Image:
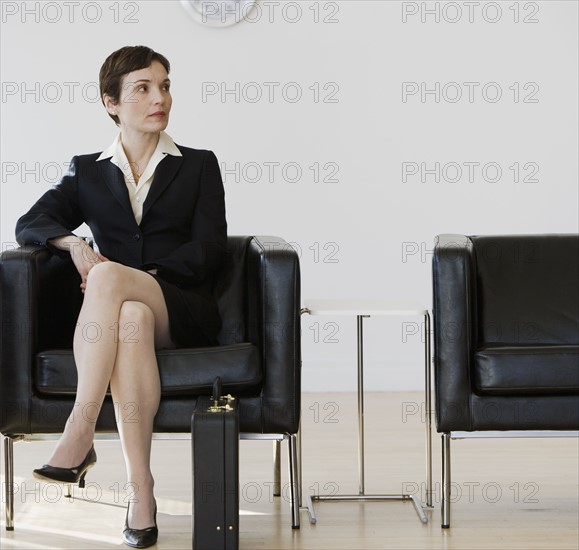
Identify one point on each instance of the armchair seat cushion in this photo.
(527, 370)
(188, 371)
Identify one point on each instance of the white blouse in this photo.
(138, 192)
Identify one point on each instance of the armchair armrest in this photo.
(274, 326)
(454, 295)
(37, 289)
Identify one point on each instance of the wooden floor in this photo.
(513, 493)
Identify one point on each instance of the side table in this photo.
(362, 309)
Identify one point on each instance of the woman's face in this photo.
(145, 101)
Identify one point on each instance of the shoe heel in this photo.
(81, 480)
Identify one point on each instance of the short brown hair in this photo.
(122, 62)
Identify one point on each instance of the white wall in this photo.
(379, 227)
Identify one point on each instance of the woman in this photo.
(157, 213)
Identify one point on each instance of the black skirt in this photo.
(194, 319)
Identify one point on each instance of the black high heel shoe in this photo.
(68, 475)
(140, 538)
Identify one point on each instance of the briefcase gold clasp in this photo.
(216, 407)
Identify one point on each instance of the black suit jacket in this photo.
(183, 232)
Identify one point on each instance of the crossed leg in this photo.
(122, 321)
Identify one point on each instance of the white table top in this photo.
(354, 306)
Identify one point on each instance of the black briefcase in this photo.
(215, 446)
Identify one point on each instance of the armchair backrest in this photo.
(59, 308)
(527, 289)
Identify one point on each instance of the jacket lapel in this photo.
(164, 174)
(115, 181)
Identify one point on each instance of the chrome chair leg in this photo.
(277, 468)
(9, 482)
(293, 479)
(445, 481)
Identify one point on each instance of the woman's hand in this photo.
(83, 256)
(100, 258)
(84, 259)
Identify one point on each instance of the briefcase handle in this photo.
(217, 388)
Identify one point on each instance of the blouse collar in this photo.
(165, 146)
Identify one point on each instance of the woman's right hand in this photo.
(83, 256)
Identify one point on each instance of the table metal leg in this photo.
(309, 507)
(361, 404)
(300, 477)
(446, 481)
(362, 496)
(428, 405)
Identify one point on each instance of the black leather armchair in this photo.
(258, 359)
(506, 333)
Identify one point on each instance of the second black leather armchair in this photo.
(506, 334)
